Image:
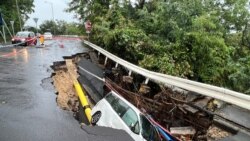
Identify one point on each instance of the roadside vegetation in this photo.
(206, 41)
(61, 27)
(8, 9)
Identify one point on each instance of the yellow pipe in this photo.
(83, 100)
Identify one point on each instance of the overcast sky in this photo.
(43, 11)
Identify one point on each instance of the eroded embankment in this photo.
(66, 98)
(65, 73)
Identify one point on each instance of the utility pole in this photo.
(19, 16)
(36, 19)
(53, 18)
(12, 26)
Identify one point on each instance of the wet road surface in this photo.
(28, 111)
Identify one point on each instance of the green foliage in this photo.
(239, 73)
(48, 26)
(9, 10)
(206, 41)
(61, 28)
(73, 29)
(126, 43)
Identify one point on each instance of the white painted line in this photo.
(101, 79)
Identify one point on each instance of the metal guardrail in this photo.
(236, 98)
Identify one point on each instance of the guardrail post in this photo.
(106, 60)
(146, 81)
(129, 73)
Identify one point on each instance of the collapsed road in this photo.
(28, 110)
(189, 116)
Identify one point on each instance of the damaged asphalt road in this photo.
(28, 110)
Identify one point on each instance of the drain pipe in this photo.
(83, 100)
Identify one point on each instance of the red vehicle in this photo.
(25, 38)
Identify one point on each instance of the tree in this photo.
(203, 40)
(61, 27)
(48, 26)
(74, 29)
(9, 11)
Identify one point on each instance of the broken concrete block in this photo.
(191, 96)
(190, 109)
(202, 103)
(127, 79)
(182, 130)
(144, 89)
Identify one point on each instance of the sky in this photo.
(43, 11)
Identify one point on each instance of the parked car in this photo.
(116, 112)
(48, 35)
(25, 38)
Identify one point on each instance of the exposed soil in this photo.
(63, 80)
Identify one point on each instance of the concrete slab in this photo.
(235, 114)
(238, 137)
(92, 85)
